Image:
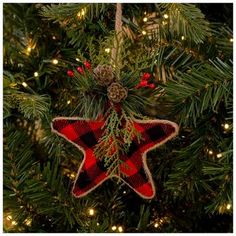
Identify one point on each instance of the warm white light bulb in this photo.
(14, 222)
(219, 155)
(226, 126)
(55, 61)
(120, 229)
(210, 152)
(156, 225)
(9, 217)
(36, 74)
(113, 228)
(228, 206)
(107, 50)
(166, 16)
(24, 84)
(68, 102)
(144, 32)
(29, 49)
(145, 19)
(231, 40)
(182, 37)
(91, 212)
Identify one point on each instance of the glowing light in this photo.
(91, 212)
(29, 49)
(231, 40)
(55, 61)
(83, 12)
(113, 228)
(98, 224)
(9, 217)
(166, 16)
(124, 192)
(36, 74)
(219, 155)
(228, 206)
(145, 19)
(28, 222)
(14, 222)
(107, 50)
(24, 84)
(53, 37)
(120, 229)
(68, 102)
(72, 175)
(164, 22)
(226, 126)
(210, 152)
(144, 32)
(182, 38)
(156, 225)
(77, 59)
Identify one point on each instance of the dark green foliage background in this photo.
(193, 187)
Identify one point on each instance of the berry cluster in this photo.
(80, 69)
(145, 81)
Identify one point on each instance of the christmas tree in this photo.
(166, 61)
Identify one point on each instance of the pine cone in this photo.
(104, 74)
(116, 92)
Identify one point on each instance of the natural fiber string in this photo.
(115, 56)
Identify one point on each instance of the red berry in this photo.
(146, 76)
(152, 86)
(87, 65)
(80, 69)
(70, 73)
(143, 83)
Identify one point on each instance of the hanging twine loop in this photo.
(115, 55)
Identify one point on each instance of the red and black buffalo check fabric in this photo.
(85, 135)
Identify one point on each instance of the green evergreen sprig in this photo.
(119, 132)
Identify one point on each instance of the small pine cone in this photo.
(103, 74)
(116, 92)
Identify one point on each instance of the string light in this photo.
(14, 222)
(72, 175)
(219, 155)
(9, 217)
(98, 224)
(156, 225)
(210, 152)
(25, 84)
(164, 22)
(120, 229)
(68, 102)
(182, 37)
(91, 211)
(231, 40)
(124, 192)
(81, 13)
(77, 59)
(144, 32)
(53, 37)
(36, 74)
(228, 207)
(113, 228)
(226, 126)
(29, 49)
(145, 19)
(107, 50)
(165, 16)
(55, 61)
(28, 222)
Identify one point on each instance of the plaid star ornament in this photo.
(85, 134)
